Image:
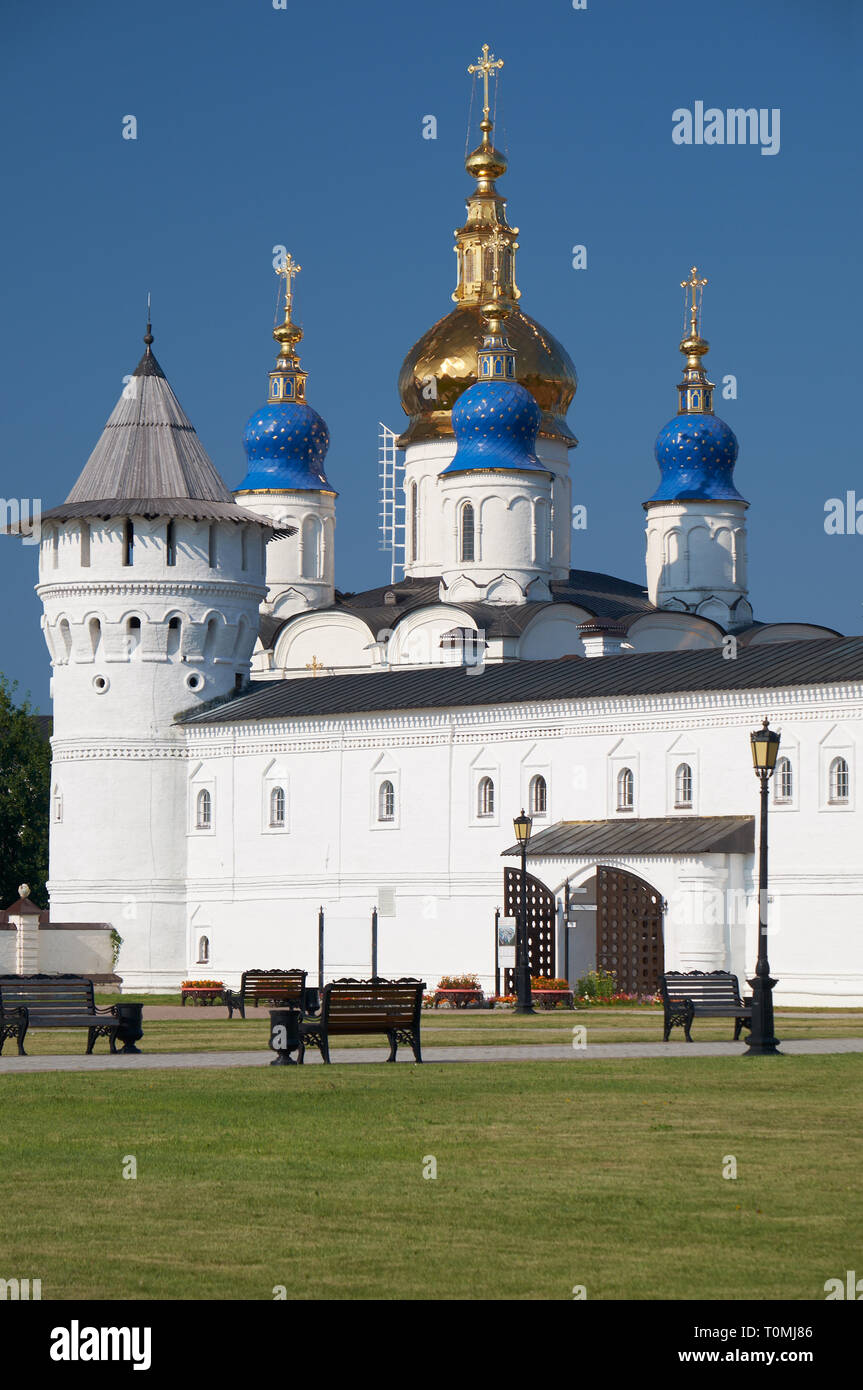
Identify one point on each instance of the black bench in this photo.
(281, 987)
(393, 1007)
(53, 1001)
(702, 994)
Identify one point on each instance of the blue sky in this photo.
(304, 127)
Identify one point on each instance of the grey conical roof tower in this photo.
(149, 461)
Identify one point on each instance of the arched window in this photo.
(175, 634)
(277, 807)
(840, 781)
(203, 951)
(204, 803)
(311, 548)
(485, 797)
(386, 801)
(128, 541)
(66, 638)
(467, 546)
(538, 795)
(783, 781)
(85, 544)
(683, 785)
(414, 521)
(95, 629)
(625, 789)
(170, 544)
(211, 545)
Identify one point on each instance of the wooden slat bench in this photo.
(701, 994)
(283, 987)
(53, 1001)
(393, 1007)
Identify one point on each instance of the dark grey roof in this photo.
(150, 462)
(602, 595)
(776, 664)
(588, 839)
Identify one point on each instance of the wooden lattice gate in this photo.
(541, 923)
(629, 931)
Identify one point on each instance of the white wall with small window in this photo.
(682, 777)
(275, 803)
(202, 800)
(836, 770)
(384, 794)
(536, 785)
(484, 790)
(785, 782)
(623, 779)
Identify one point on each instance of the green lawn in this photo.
(552, 1174)
(200, 1031)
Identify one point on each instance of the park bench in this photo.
(393, 1007)
(282, 987)
(53, 1001)
(699, 994)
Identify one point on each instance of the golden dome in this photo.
(442, 364)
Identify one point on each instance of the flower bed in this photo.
(202, 991)
(459, 991)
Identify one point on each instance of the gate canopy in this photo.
(592, 839)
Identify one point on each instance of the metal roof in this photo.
(776, 664)
(590, 839)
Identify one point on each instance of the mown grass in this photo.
(604, 1174)
(201, 1030)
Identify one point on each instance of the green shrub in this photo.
(596, 984)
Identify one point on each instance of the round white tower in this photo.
(151, 579)
(286, 444)
(696, 519)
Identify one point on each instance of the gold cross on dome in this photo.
(498, 242)
(289, 269)
(486, 64)
(314, 666)
(693, 284)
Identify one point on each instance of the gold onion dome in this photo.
(442, 364)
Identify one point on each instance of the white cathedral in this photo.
(238, 744)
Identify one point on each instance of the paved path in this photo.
(529, 1052)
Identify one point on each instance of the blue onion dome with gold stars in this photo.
(696, 451)
(495, 421)
(286, 441)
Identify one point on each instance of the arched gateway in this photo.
(629, 939)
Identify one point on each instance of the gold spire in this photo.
(288, 380)
(695, 392)
(486, 211)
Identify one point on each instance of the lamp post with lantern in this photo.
(762, 1040)
(523, 1002)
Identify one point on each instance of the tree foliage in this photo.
(25, 786)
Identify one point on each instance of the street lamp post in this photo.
(523, 1001)
(762, 1040)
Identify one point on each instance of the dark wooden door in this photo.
(629, 931)
(541, 923)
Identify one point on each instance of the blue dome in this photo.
(696, 456)
(495, 425)
(286, 445)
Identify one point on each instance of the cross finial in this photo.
(486, 64)
(288, 269)
(314, 666)
(695, 285)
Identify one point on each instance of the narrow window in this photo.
(170, 544)
(85, 544)
(840, 781)
(244, 549)
(485, 797)
(467, 533)
(95, 629)
(204, 810)
(128, 541)
(58, 804)
(386, 801)
(414, 521)
(66, 638)
(212, 545)
(683, 786)
(133, 635)
(175, 633)
(783, 781)
(55, 548)
(538, 795)
(277, 807)
(204, 951)
(625, 789)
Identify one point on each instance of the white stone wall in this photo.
(255, 891)
(696, 557)
(300, 568)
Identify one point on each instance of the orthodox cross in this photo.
(498, 242)
(314, 665)
(486, 65)
(693, 284)
(289, 269)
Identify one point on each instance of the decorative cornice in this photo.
(221, 588)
